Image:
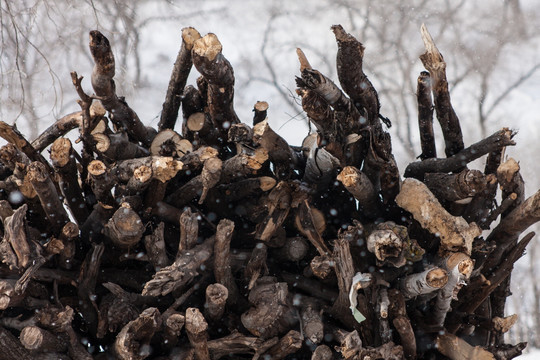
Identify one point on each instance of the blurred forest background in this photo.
(492, 49)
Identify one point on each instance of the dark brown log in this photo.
(425, 116)
(295, 249)
(222, 262)
(196, 328)
(179, 76)
(169, 143)
(181, 272)
(63, 161)
(312, 323)
(133, 341)
(272, 313)
(13, 136)
(352, 77)
(359, 185)
(237, 344)
(279, 153)
(155, 247)
(505, 234)
(40, 340)
(48, 196)
(102, 82)
(14, 247)
(61, 127)
(322, 352)
(216, 298)
(455, 187)
(259, 112)
(256, 266)
(456, 162)
(434, 63)
(311, 223)
(101, 181)
(117, 146)
(218, 73)
(288, 344)
(125, 227)
(11, 348)
(278, 208)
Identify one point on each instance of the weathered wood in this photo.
(425, 116)
(435, 64)
(179, 76)
(103, 83)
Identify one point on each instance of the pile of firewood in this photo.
(223, 241)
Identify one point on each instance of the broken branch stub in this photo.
(455, 233)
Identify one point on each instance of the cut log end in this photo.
(61, 152)
(189, 36)
(208, 47)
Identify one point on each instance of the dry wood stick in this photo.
(434, 63)
(352, 77)
(454, 232)
(359, 185)
(456, 162)
(256, 265)
(64, 164)
(11, 348)
(216, 298)
(102, 82)
(40, 340)
(454, 187)
(13, 136)
(155, 247)
(196, 328)
(125, 227)
(272, 312)
(222, 262)
(424, 282)
(288, 344)
(117, 146)
(237, 343)
(279, 153)
(132, 342)
(15, 249)
(278, 208)
(344, 268)
(458, 349)
(218, 73)
(459, 267)
(259, 112)
(48, 196)
(181, 272)
(322, 352)
(510, 228)
(425, 116)
(61, 127)
(177, 82)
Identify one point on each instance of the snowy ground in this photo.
(534, 354)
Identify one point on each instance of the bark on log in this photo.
(196, 328)
(218, 72)
(425, 116)
(434, 63)
(133, 341)
(456, 162)
(48, 196)
(455, 233)
(103, 83)
(179, 76)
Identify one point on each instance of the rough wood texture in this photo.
(179, 76)
(260, 249)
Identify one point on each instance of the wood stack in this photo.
(226, 242)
